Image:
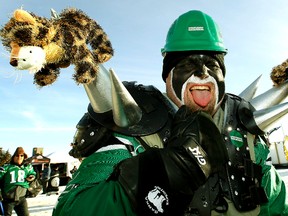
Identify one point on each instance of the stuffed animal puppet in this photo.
(279, 73)
(43, 46)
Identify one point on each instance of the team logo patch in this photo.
(157, 199)
(197, 153)
(236, 138)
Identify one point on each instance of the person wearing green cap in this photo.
(194, 42)
(208, 156)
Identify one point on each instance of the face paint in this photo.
(198, 82)
(200, 94)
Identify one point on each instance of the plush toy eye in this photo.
(30, 51)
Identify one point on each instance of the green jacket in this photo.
(274, 186)
(88, 193)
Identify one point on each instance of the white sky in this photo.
(255, 33)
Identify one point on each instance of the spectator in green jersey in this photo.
(15, 178)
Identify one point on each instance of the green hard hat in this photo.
(194, 30)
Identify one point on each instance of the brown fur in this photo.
(279, 73)
(64, 41)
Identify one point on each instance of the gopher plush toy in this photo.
(43, 46)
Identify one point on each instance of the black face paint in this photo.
(200, 66)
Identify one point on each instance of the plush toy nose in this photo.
(14, 62)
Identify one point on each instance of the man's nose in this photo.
(202, 73)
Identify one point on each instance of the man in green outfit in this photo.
(15, 178)
(207, 158)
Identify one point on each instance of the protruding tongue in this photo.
(201, 98)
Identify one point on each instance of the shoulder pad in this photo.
(245, 114)
(156, 108)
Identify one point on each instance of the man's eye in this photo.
(212, 65)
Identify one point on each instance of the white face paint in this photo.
(170, 90)
(30, 58)
(200, 94)
(195, 79)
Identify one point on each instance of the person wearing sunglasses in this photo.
(14, 180)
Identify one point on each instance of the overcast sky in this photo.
(255, 33)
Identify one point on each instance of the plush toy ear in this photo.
(24, 16)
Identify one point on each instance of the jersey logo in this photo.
(156, 198)
(236, 138)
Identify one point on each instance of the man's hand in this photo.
(169, 177)
(199, 136)
(30, 178)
